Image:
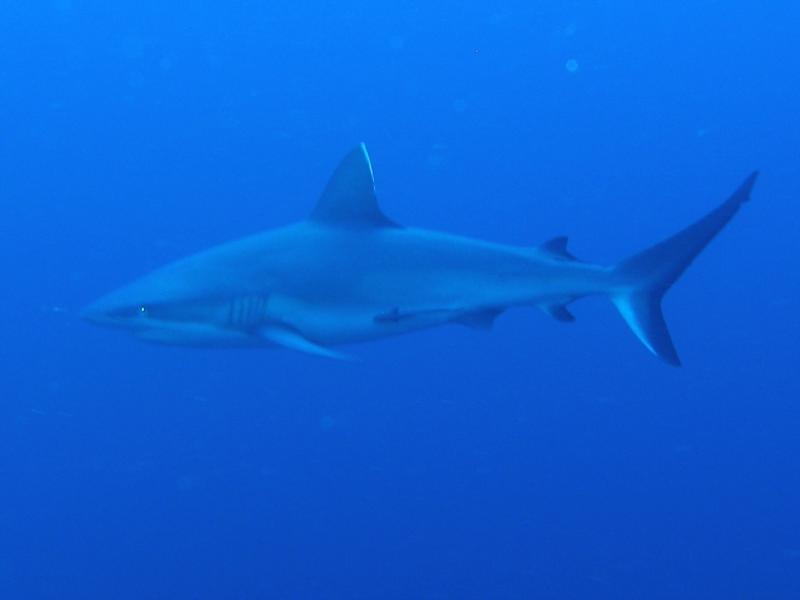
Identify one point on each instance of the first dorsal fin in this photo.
(349, 198)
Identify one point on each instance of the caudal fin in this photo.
(641, 281)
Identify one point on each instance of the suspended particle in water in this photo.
(571, 65)
(397, 42)
(437, 157)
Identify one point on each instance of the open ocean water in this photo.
(538, 461)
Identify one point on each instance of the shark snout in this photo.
(94, 313)
(105, 311)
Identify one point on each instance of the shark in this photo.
(348, 273)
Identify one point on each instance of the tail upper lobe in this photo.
(640, 282)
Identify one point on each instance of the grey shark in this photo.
(348, 273)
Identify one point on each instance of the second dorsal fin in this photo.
(349, 197)
(557, 248)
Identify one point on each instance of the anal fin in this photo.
(559, 312)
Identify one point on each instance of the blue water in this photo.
(539, 461)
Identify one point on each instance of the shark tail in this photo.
(640, 282)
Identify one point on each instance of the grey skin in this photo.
(349, 274)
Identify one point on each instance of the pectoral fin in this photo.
(288, 338)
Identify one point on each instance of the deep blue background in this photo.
(541, 460)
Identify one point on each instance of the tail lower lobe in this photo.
(641, 281)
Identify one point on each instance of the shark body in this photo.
(349, 274)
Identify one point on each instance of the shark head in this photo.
(137, 307)
(121, 309)
(174, 305)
